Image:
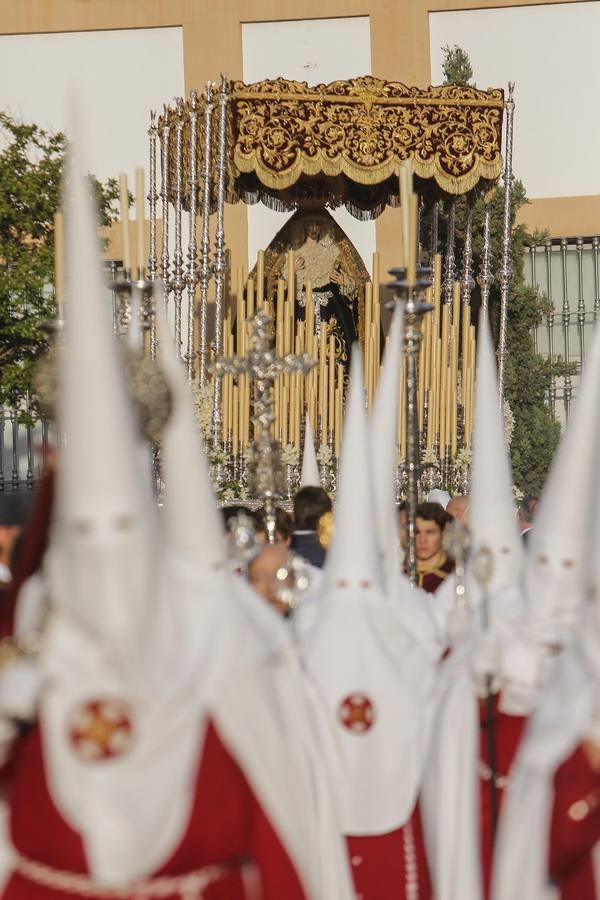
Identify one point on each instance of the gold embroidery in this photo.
(354, 133)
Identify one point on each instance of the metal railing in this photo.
(566, 271)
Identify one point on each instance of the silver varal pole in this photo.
(164, 201)
(192, 272)
(466, 282)
(580, 301)
(550, 324)
(220, 259)
(152, 199)
(485, 277)
(450, 260)
(178, 275)
(204, 270)
(506, 269)
(414, 310)
(566, 322)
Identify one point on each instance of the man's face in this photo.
(262, 573)
(429, 539)
(402, 528)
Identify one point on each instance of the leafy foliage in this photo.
(31, 170)
(457, 66)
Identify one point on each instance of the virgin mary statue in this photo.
(325, 257)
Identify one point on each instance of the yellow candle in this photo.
(376, 277)
(310, 320)
(322, 383)
(430, 419)
(250, 299)
(279, 317)
(260, 279)
(235, 420)
(331, 403)
(239, 312)
(124, 207)
(291, 276)
(140, 221)
(411, 265)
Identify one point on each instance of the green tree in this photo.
(457, 68)
(527, 373)
(31, 168)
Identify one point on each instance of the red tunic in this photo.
(226, 827)
(507, 731)
(391, 866)
(575, 827)
(431, 580)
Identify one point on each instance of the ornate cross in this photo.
(266, 475)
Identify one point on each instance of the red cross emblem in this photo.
(101, 729)
(357, 713)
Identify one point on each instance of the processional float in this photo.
(308, 150)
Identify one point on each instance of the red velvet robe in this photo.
(391, 866)
(227, 827)
(575, 828)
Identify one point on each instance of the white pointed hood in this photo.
(193, 524)
(372, 679)
(100, 560)
(310, 467)
(492, 513)
(353, 557)
(383, 433)
(557, 543)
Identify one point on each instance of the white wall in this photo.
(313, 50)
(551, 52)
(118, 77)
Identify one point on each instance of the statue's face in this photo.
(313, 229)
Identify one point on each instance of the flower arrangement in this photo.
(203, 402)
(290, 455)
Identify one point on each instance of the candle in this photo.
(235, 418)
(124, 207)
(322, 383)
(140, 221)
(239, 311)
(279, 317)
(413, 218)
(250, 299)
(260, 279)
(291, 276)
(331, 404)
(59, 262)
(376, 337)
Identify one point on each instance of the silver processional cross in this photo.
(266, 475)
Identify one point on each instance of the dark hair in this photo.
(283, 522)
(402, 506)
(310, 503)
(528, 508)
(434, 512)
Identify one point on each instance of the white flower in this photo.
(290, 455)
(203, 401)
(517, 493)
(509, 423)
(430, 458)
(325, 456)
(464, 457)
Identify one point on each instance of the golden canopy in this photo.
(344, 142)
